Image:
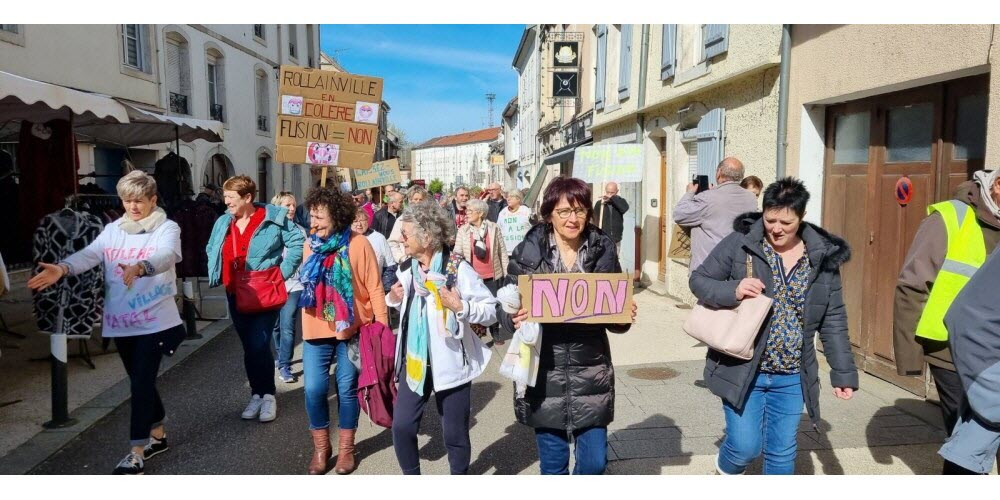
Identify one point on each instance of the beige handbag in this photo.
(731, 331)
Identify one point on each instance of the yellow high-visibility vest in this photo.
(966, 254)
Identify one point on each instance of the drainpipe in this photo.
(639, 130)
(786, 59)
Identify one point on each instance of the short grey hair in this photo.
(412, 191)
(136, 185)
(432, 225)
(731, 169)
(478, 205)
(462, 188)
(515, 194)
(396, 196)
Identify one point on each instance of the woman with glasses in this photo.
(574, 396)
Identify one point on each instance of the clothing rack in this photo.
(81, 201)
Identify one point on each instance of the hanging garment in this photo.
(173, 180)
(47, 163)
(196, 220)
(80, 298)
(16, 251)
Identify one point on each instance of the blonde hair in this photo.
(515, 194)
(282, 195)
(136, 185)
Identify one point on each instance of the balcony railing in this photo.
(262, 123)
(178, 103)
(216, 113)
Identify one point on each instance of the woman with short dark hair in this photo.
(574, 396)
(342, 291)
(798, 265)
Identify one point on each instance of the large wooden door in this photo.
(933, 135)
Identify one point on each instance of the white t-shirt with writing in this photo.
(513, 226)
(148, 307)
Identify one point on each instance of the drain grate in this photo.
(652, 373)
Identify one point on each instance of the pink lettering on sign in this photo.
(543, 292)
(610, 301)
(579, 298)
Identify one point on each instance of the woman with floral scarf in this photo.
(436, 351)
(342, 291)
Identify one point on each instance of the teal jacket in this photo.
(275, 235)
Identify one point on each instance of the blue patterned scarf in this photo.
(326, 280)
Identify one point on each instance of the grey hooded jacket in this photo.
(714, 283)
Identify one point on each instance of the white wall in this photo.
(449, 162)
(528, 107)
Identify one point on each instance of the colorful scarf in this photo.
(326, 280)
(425, 285)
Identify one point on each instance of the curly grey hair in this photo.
(478, 205)
(433, 226)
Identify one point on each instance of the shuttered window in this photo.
(602, 62)
(625, 62)
(716, 37)
(132, 45)
(173, 66)
(262, 101)
(711, 141)
(668, 59)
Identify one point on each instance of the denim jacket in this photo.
(276, 235)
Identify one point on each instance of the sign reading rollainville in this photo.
(327, 118)
(608, 163)
(577, 297)
(382, 173)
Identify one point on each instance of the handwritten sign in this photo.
(382, 173)
(577, 297)
(680, 243)
(608, 163)
(327, 118)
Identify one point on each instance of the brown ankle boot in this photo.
(345, 459)
(322, 451)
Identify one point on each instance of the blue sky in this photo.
(436, 76)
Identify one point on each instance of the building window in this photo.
(852, 136)
(263, 107)
(258, 31)
(216, 86)
(133, 45)
(263, 162)
(910, 133)
(293, 41)
(10, 28)
(178, 74)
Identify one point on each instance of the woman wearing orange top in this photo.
(342, 292)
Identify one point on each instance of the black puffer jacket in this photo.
(715, 281)
(576, 381)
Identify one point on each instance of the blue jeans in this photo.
(284, 330)
(255, 332)
(317, 356)
(769, 422)
(591, 451)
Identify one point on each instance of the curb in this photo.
(41, 446)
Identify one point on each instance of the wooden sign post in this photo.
(577, 297)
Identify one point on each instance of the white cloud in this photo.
(436, 55)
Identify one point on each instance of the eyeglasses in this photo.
(563, 213)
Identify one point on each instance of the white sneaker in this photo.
(268, 408)
(253, 408)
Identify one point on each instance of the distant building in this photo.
(459, 159)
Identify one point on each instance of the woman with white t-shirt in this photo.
(139, 252)
(514, 221)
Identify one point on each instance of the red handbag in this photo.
(258, 291)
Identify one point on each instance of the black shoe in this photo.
(131, 465)
(154, 447)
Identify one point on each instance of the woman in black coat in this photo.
(798, 265)
(575, 390)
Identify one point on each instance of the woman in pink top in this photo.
(480, 242)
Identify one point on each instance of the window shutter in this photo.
(668, 64)
(184, 70)
(625, 62)
(220, 82)
(130, 44)
(602, 61)
(711, 143)
(173, 67)
(716, 39)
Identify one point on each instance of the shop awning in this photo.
(26, 99)
(145, 127)
(565, 153)
(96, 116)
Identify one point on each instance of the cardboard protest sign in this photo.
(577, 297)
(680, 243)
(327, 118)
(381, 174)
(608, 163)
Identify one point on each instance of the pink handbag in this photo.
(731, 331)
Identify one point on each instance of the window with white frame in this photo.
(259, 32)
(134, 47)
(178, 73)
(10, 28)
(293, 41)
(215, 76)
(263, 107)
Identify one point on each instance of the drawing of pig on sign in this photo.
(319, 153)
(577, 297)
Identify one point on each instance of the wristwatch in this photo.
(146, 268)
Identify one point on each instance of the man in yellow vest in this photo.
(950, 245)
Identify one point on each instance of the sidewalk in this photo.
(25, 399)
